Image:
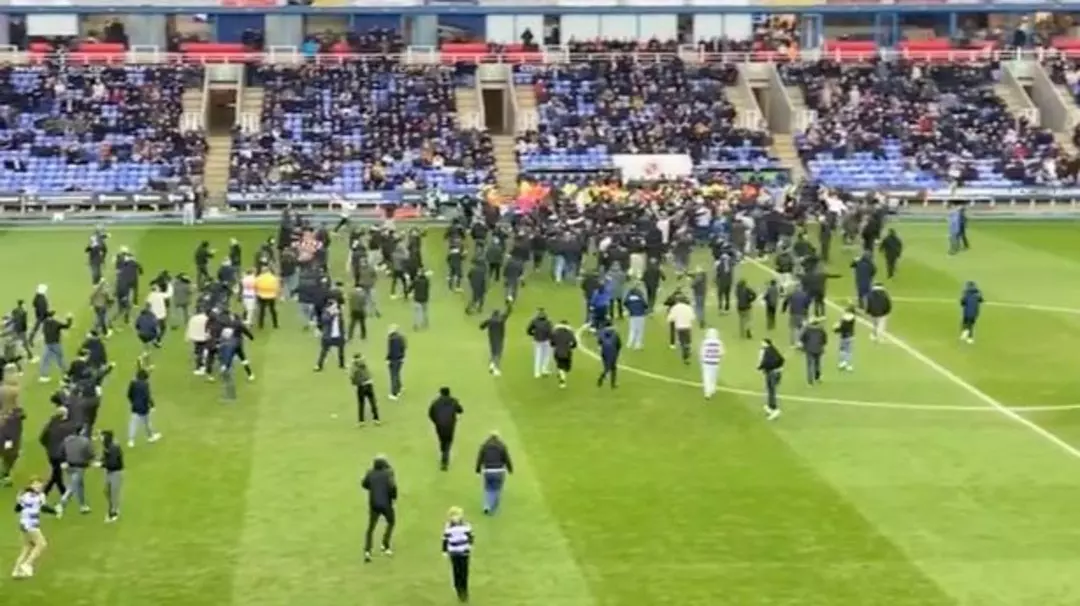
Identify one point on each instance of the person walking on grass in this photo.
(112, 461)
(493, 463)
(381, 486)
(457, 546)
(142, 403)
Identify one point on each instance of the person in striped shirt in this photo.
(712, 351)
(457, 545)
(30, 504)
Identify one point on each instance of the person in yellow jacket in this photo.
(267, 289)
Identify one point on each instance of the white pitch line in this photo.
(951, 376)
(817, 400)
(1004, 304)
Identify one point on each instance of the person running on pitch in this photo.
(29, 506)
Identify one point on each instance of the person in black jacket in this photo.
(878, 307)
(141, 402)
(51, 331)
(770, 363)
(420, 289)
(112, 461)
(744, 307)
(40, 304)
(11, 431)
(381, 486)
(395, 359)
(814, 340)
(19, 325)
(493, 463)
(443, 413)
(56, 430)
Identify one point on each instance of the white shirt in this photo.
(247, 288)
(196, 329)
(682, 316)
(30, 504)
(157, 299)
(712, 350)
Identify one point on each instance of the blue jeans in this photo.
(846, 352)
(420, 315)
(494, 479)
(395, 376)
(558, 268)
(772, 381)
(53, 354)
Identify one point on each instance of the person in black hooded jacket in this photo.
(381, 486)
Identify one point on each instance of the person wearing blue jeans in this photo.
(493, 463)
(52, 330)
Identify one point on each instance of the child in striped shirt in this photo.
(457, 545)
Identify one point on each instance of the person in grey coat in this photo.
(78, 456)
(181, 300)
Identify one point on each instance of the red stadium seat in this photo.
(850, 50)
(214, 52)
(1065, 43)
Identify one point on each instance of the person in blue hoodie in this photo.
(599, 303)
(610, 347)
(864, 271)
(146, 326)
(970, 303)
(142, 403)
(637, 307)
(332, 333)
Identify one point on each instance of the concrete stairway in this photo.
(506, 163)
(193, 108)
(468, 107)
(743, 101)
(216, 175)
(783, 149)
(528, 115)
(1065, 142)
(1013, 101)
(252, 101)
(798, 100)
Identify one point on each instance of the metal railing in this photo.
(250, 123)
(549, 55)
(191, 121)
(804, 119)
(1029, 115)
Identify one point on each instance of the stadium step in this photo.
(795, 95)
(251, 107)
(506, 165)
(216, 174)
(748, 113)
(194, 109)
(1065, 142)
(1017, 105)
(468, 107)
(528, 117)
(783, 148)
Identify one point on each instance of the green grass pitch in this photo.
(935, 474)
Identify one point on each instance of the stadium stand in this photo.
(592, 110)
(923, 125)
(360, 126)
(67, 127)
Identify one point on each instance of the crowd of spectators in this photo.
(375, 41)
(589, 111)
(66, 127)
(903, 124)
(359, 126)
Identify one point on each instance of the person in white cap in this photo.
(712, 351)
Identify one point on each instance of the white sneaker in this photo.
(43, 379)
(154, 438)
(496, 372)
(59, 508)
(251, 378)
(774, 414)
(27, 571)
(131, 443)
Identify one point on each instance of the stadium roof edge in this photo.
(525, 9)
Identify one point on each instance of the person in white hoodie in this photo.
(198, 337)
(158, 302)
(710, 355)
